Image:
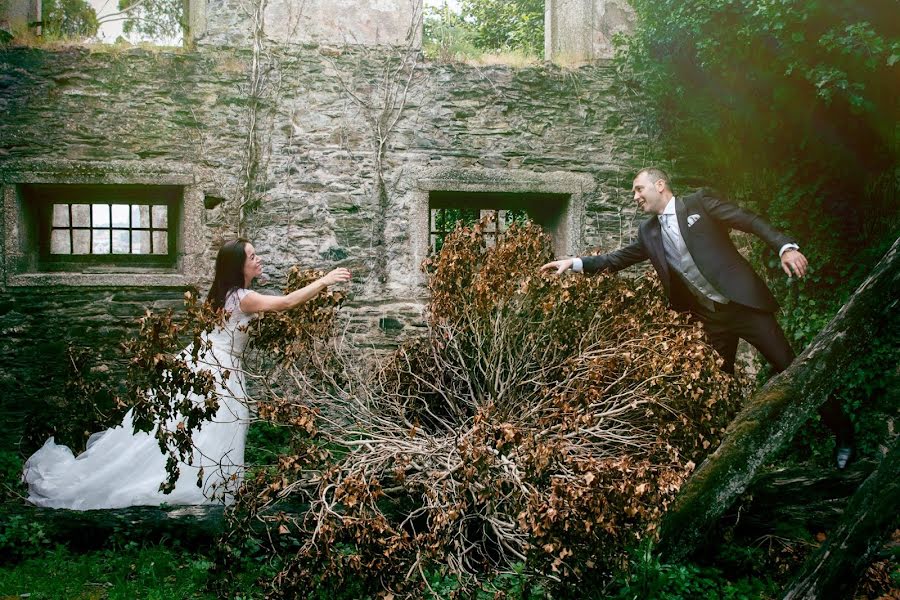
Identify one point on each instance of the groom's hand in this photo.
(793, 260)
(560, 266)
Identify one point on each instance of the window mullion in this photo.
(150, 225)
(71, 231)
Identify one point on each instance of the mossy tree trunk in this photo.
(873, 511)
(798, 497)
(773, 415)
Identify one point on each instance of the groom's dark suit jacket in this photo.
(704, 222)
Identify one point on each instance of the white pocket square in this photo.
(692, 219)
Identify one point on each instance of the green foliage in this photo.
(832, 48)
(157, 19)
(648, 578)
(804, 87)
(266, 441)
(150, 573)
(485, 26)
(447, 37)
(507, 24)
(446, 219)
(516, 584)
(10, 475)
(68, 19)
(21, 538)
(789, 108)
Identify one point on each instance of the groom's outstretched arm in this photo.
(614, 261)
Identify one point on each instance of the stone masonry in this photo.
(323, 155)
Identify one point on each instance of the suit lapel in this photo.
(681, 214)
(656, 250)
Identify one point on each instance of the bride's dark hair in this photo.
(229, 271)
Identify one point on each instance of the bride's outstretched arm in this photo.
(254, 302)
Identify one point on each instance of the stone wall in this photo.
(282, 143)
(38, 324)
(364, 22)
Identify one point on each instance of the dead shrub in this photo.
(541, 421)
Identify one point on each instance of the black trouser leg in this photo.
(767, 336)
(721, 332)
(723, 341)
(763, 332)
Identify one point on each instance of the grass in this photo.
(151, 573)
(469, 55)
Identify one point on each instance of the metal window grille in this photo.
(92, 229)
(444, 220)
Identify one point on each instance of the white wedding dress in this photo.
(122, 468)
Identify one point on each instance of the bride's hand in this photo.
(339, 275)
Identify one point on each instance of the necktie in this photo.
(668, 221)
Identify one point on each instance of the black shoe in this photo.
(842, 455)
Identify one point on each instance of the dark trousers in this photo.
(726, 323)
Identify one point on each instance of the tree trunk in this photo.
(774, 414)
(872, 513)
(801, 497)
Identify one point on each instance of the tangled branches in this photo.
(542, 421)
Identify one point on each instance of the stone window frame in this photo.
(20, 266)
(159, 252)
(568, 232)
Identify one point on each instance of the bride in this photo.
(121, 467)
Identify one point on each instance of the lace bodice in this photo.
(232, 338)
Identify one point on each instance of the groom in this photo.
(687, 242)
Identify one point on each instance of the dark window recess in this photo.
(122, 225)
(449, 209)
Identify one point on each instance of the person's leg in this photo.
(720, 337)
(763, 332)
(725, 345)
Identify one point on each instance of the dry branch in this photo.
(542, 421)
